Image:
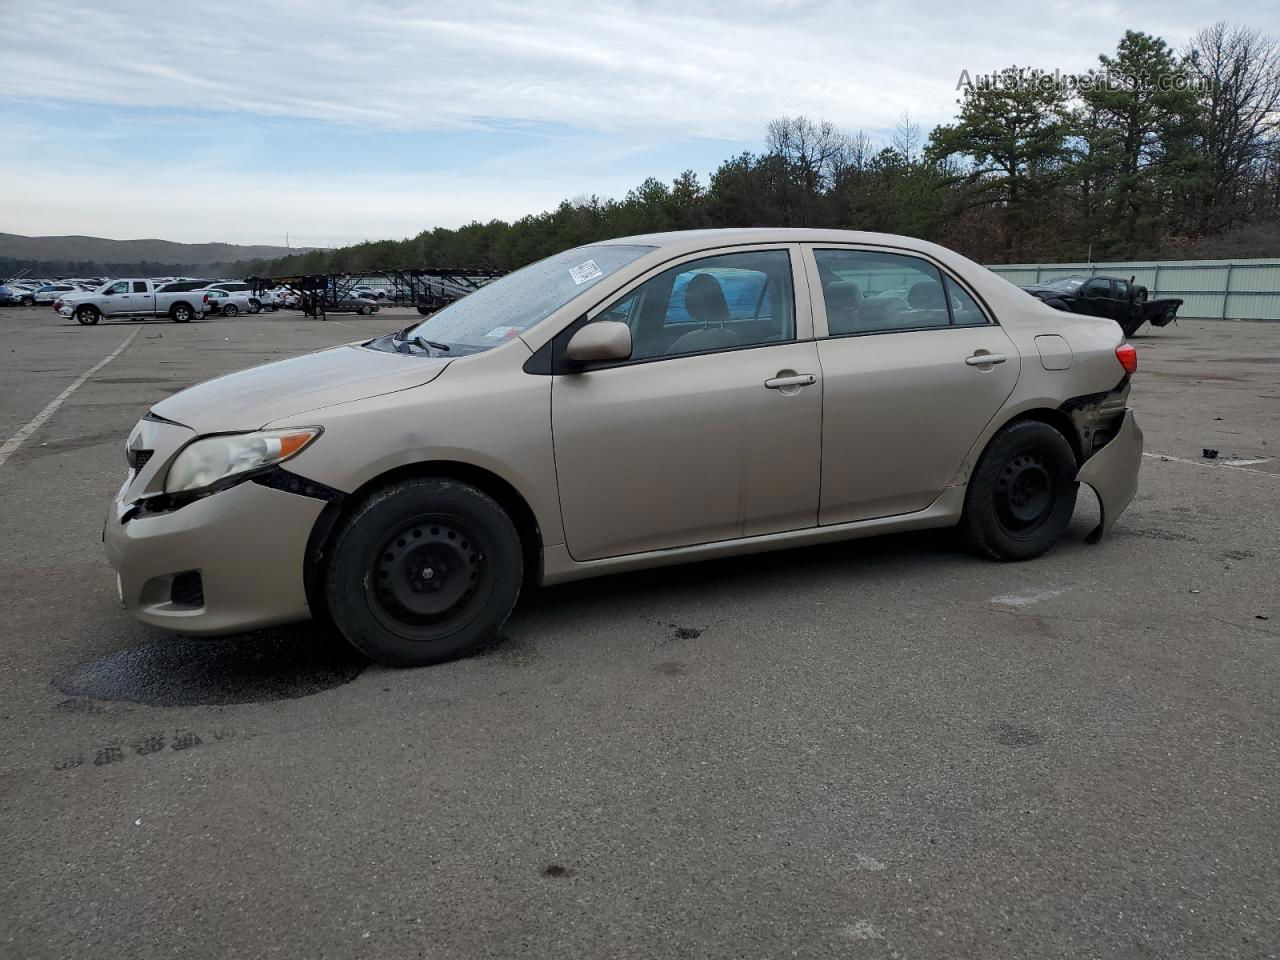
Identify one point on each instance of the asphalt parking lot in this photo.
(880, 749)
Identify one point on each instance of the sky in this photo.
(335, 121)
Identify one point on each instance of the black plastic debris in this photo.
(1209, 453)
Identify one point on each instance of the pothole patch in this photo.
(171, 671)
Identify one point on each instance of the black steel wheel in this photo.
(1022, 492)
(423, 571)
(429, 575)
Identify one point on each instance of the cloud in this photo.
(662, 67)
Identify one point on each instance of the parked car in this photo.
(711, 393)
(255, 302)
(132, 298)
(1123, 301)
(8, 297)
(50, 292)
(372, 293)
(354, 304)
(229, 304)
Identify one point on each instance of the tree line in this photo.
(1153, 153)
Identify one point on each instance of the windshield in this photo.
(512, 304)
(1065, 285)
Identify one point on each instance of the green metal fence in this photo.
(1218, 289)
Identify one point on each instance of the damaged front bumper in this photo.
(1112, 473)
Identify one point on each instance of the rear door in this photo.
(711, 430)
(913, 369)
(144, 298)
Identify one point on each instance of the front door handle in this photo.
(982, 359)
(796, 380)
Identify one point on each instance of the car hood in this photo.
(251, 398)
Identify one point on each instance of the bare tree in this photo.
(1240, 68)
(814, 154)
(907, 139)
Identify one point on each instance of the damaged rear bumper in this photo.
(1112, 473)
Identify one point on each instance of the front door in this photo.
(913, 371)
(118, 301)
(712, 430)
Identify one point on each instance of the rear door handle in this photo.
(982, 359)
(799, 380)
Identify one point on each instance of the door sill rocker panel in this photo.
(559, 567)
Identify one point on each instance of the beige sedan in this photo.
(633, 403)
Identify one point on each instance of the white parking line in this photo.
(1220, 465)
(17, 440)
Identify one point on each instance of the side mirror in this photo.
(602, 341)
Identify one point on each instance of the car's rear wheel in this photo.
(181, 313)
(1022, 493)
(28, 301)
(423, 571)
(87, 315)
(230, 310)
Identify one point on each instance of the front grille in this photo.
(187, 590)
(138, 458)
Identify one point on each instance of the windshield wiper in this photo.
(419, 341)
(430, 344)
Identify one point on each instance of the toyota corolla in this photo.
(632, 403)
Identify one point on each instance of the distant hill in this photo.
(100, 249)
(98, 256)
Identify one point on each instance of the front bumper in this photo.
(247, 543)
(1112, 472)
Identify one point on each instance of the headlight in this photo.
(205, 463)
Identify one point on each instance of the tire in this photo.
(1132, 326)
(28, 301)
(366, 311)
(255, 306)
(87, 315)
(376, 583)
(230, 310)
(180, 313)
(1022, 493)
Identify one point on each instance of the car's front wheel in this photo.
(87, 315)
(1022, 493)
(423, 571)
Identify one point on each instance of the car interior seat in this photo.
(844, 301)
(704, 301)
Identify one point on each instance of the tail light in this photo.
(1127, 354)
(206, 298)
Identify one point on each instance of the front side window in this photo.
(121, 287)
(716, 303)
(870, 292)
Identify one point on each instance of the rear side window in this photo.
(965, 311)
(139, 287)
(716, 303)
(871, 292)
(1097, 288)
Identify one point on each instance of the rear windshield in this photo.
(512, 304)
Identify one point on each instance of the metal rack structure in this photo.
(427, 288)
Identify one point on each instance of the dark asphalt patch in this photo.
(174, 671)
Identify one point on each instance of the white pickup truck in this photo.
(135, 299)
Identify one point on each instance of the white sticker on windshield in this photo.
(500, 332)
(585, 271)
